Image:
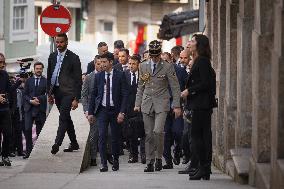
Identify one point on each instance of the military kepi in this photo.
(155, 48)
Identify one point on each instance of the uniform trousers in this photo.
(154, 129)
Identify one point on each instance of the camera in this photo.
(25, 65)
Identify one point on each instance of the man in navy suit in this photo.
(35, 102)
(134, 118)
(108, 106)
(174, 127)
(123, 56)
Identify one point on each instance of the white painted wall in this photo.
(105, 11)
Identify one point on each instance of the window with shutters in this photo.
(20, 8)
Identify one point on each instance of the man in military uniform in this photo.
(157, 77)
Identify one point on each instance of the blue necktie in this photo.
(54, 78)
(108, 91)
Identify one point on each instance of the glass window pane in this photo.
(24, 1)
(17, 12)
(14, 24)
(22, 10)
(17, 24)
(108, 26)
(22, 23)
(15, 1)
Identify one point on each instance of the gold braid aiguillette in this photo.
(145, 78)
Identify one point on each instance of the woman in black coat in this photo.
(200, 100)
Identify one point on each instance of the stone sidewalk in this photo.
(130, 176)
(62, 171)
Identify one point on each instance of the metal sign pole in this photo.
(52, 39)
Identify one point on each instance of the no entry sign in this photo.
(55, 19)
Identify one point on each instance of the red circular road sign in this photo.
(55, 19)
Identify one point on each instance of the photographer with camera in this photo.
(5, 122)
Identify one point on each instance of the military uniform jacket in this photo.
(153, 88)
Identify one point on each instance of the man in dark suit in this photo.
(134, 119)
(34, 105)
(108, 106)
(117, 45)
(123, 56)
(64, 82)
(102, 49)
(174, 126)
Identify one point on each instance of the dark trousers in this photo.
(173, 136)
(63, 104)
(19, 128)
(201, 136)
(135, 130)
(133, 145)
(107, 117)
(186, 140)
(39, 122)
(5, 129)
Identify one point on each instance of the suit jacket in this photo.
(70, 76)
(153, 89)
(181, 75)
(198, 85)
(118, 66)
(31, 91)
(131, 95)
(119, 92)
(90, 67)
(87, 89)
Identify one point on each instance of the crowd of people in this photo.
(154, 105)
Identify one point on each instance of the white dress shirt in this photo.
(60, 57)
(136, 74)
(105, 89)
(37, 84)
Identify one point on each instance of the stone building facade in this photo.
(109, 20)
(247, 41)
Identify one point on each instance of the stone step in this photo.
(240, 158)
(42, 161)
(263, 175)
(230, 168)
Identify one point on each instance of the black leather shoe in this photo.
(104, 169)
(1, 163)
(188, 170)
(185, 160)
(71, 148)
(26, 156)
(143, 158)
(158, 165)
(21, 154)
(93, 162)
(201, 173)
(192, 171)
(6, 161)
(115, 166)
(12, 154)
(54, 148)
(168, 165)
(109, 159)
(176, 160)
(133, 159)
(149, 168)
